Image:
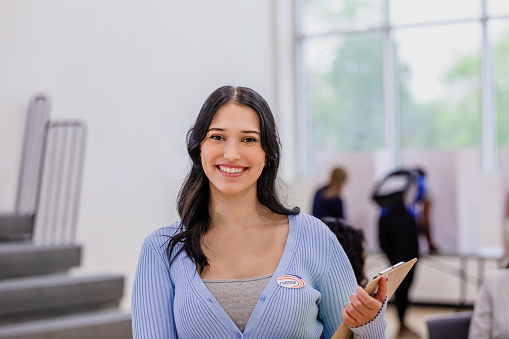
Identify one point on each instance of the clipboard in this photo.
(396, 274)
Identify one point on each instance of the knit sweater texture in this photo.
(173, 302)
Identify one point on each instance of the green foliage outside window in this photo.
(347, 102)
(345, 95)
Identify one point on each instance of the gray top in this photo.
(238, 297)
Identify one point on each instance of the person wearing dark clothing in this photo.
(399, 240)
(327, 207)
(327, 201)
(398, 231)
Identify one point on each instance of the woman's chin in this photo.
(233, 190)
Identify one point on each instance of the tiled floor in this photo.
(416, 318)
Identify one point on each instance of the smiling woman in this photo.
(240, 263)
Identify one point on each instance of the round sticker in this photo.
(290, 281)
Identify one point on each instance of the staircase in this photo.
(39, 299)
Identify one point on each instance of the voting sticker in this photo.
(290, 281)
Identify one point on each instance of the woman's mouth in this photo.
(231, 170)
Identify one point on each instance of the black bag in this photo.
(397, 189)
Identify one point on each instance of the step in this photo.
(16, 227)
(97, 325)
(27, 259)
(42, 297)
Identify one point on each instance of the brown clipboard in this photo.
(396, 274)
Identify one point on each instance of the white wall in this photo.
(137, 72)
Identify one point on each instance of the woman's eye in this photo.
(249, 140)
(216, 137)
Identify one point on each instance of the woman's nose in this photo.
(231, 151)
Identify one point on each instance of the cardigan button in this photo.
(239, 335)
(263, 297)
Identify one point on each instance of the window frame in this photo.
(391, 114)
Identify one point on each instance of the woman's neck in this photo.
(236, 211)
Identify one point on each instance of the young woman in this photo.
(240, 264)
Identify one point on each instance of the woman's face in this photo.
(231, 153)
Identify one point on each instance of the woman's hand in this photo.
(362, 308)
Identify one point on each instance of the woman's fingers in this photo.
(362, 299)
(362, 308)
(350, 317)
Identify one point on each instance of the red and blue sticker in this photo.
(290, 281)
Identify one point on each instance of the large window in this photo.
(345, 91)
(434, 63)
(439, 86)
(390, 83)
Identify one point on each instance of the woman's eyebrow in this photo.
(216, 129)
(222, 130)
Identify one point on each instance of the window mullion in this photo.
(304, 138)
(391, 113)
(489, 120)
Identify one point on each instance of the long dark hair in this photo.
(352, 241)
(194, 196)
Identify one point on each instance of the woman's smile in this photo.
(230, 170)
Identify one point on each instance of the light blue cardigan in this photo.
(172, 301)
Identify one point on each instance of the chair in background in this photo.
(49, 185)
(19, 225)
(59, 190)
(453, 326)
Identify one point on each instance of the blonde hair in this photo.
(337, 180)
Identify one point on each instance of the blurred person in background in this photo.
(397, 194)
(490, 319)
(327, 201)
(422, 211)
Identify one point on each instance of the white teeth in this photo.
(231, 169)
